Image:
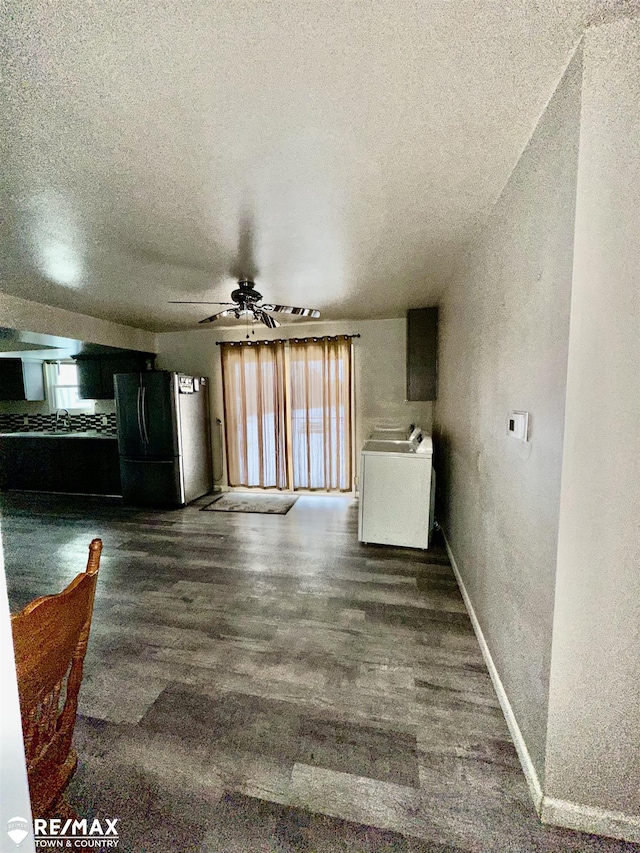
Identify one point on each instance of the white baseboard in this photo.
(521, 748)
(551, 811)
(590, 819)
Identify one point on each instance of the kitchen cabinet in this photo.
(89, 379)
(96, 371)
(60, 464)
(21, 380)
(422, 354)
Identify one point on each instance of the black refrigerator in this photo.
(163, 437)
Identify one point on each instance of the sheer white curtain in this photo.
(321, 391)
(255, 414)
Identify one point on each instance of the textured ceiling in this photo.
(345, 152)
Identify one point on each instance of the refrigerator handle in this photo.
(138, 402)
(143, 409)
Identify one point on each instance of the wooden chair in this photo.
(50, 641)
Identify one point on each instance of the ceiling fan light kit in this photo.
(245, 304)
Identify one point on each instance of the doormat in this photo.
(271, 504)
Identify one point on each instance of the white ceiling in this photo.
(353, 148)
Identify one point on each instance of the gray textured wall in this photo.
(503, 346)
(593, 754)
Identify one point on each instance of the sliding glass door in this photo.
(288, 414)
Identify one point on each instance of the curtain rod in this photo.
(286, 340)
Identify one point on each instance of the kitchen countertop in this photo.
(84, 434)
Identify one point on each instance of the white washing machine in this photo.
(397, 489)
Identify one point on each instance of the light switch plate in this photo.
(518, 425)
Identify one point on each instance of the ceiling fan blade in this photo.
(188, 302)
(289, 309)
(269, 322)
(227, 313)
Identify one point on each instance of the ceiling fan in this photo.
(245, 304)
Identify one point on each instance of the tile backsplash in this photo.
(15, 422)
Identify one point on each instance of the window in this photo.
(288, 414)
(62, 387)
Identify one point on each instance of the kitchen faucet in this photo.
(63, 419)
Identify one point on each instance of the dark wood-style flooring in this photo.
(266, 683)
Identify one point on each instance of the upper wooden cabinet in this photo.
(422, 354)
(21, 380)
(96, 371)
